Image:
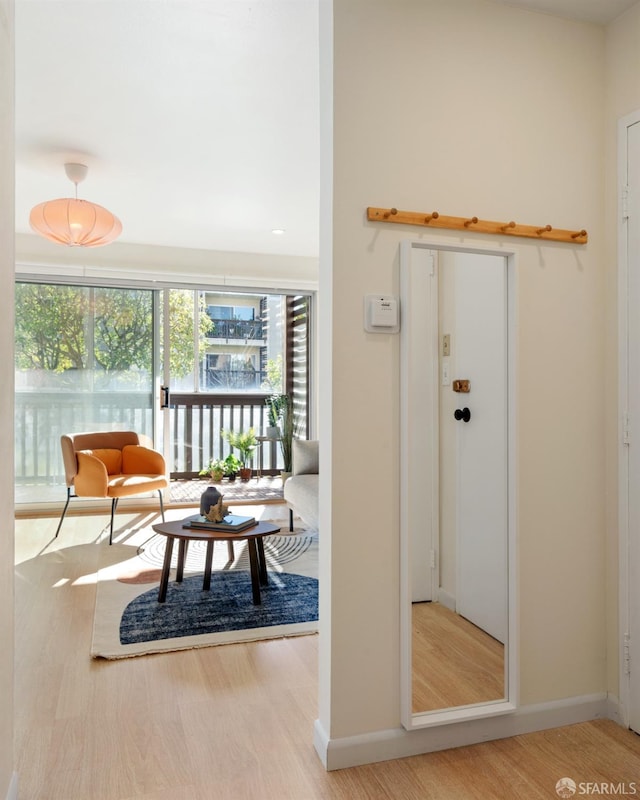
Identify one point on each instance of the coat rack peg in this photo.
(435, 220)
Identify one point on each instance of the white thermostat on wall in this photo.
(381, 313)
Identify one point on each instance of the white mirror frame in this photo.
(425, 328)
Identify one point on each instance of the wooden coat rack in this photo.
(436, 220)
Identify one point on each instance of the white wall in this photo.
(623, 98)
(467, 108)
(6, 397)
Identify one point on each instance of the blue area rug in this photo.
(188, 611)
(129, 621)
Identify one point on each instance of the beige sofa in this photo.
(301, 489)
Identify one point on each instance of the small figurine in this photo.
(218, 512)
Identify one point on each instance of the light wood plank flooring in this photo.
(455, 663)
(225, 723)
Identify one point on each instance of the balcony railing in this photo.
(237, 329)
(197, 422)
(42, 417)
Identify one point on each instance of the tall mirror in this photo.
(457, 505)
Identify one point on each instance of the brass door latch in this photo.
(463, 387)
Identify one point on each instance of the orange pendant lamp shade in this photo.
(76, 223)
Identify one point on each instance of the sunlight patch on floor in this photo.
(85, 580)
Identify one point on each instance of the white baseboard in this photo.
(12, 794)
(446, 599)
(615, 711)
(320, 742)
(368, 748)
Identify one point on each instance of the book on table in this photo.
(233, 523)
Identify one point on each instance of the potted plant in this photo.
(274, 405)
(214, 470)
(231, 467)
(285, 431)
(245, 442)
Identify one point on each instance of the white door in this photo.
(477, 423)
(632, 564)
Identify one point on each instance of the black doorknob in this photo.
(462, 414)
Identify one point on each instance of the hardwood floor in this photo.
(231, 722)
(454, 662)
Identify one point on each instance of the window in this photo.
(90, 357)
(245, 341)
(231, 312)
(83, 361)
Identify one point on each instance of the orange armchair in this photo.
(110, 464)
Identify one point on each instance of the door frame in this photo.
(419, 570)
(628, 408)
(429, 465)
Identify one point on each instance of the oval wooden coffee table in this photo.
(253, 537)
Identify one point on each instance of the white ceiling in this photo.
(198, 119)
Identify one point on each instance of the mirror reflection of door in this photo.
(458, 638)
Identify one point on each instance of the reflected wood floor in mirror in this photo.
(455, 663)
(233, 722)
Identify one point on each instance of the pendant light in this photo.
(76, 223)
